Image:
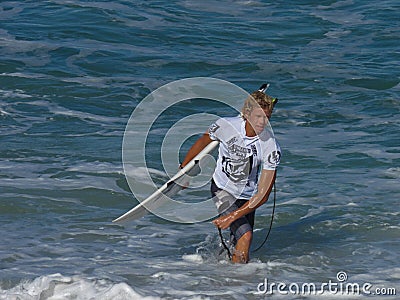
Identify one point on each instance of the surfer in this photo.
(245, 172)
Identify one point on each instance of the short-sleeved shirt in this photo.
(240, 157)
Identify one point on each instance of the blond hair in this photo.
(255, 100)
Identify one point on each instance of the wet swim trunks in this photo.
(227, 204)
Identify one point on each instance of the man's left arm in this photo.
(265, 184)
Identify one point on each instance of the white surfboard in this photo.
(169, 189)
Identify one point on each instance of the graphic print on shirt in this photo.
(238, 166)
(274, 158)
(241, 158)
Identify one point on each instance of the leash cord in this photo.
(270, 224)
(223, 244)
(266, 237)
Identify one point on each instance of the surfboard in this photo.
(177, 183)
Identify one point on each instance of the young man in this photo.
(246, 168)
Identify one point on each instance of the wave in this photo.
(57, 286)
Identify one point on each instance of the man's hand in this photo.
(223, 222)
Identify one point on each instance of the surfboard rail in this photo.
(140, 210)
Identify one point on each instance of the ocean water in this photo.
(72, 72)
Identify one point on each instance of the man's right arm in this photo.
(199, 145)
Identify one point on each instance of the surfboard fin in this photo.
(263, 88)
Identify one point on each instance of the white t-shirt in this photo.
(240, 157)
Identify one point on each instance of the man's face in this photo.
(258, 119)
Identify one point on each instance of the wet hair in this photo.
(255, 100)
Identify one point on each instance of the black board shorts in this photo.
(240, 226)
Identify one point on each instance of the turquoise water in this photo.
(72, 72)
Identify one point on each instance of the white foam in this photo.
(3, 112)
(393, 172)
(194, 258)
(312, 212)
(141, 174)
(14, 94)
(59, 110)
(57, 287)
(96, 167)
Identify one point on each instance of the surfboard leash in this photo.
(270, 224)
(266, 237)
(223, 243)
